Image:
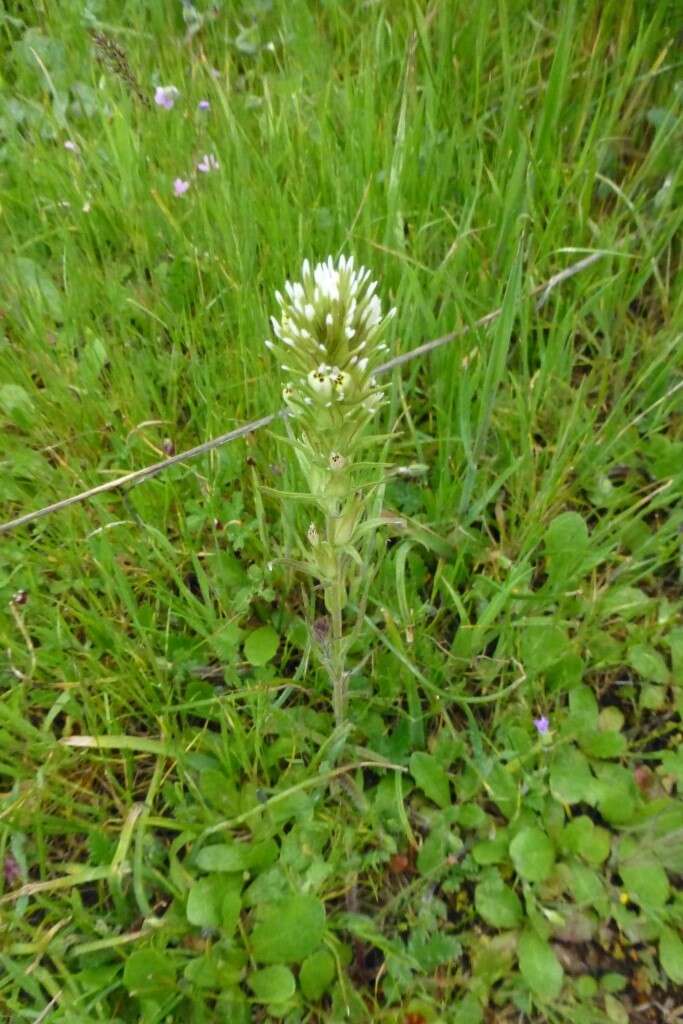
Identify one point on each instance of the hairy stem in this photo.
(336, 599)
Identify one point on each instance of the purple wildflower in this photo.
(180, 187)
(208, 163)
(542, 725)
(165, 96)
(204, 105)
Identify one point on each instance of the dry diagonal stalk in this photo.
(147, 472)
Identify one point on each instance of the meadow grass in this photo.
(185, 835)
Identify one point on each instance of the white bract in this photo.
(328, 332)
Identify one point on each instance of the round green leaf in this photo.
(539, 966)
(261, 645)
(647, 883)
(595, 848)
(274, 984)
(533, 854)
(317, 974)
(570, 776)
(289, 930)
(149, 973)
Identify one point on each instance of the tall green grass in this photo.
(466, 152)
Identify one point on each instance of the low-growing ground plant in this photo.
(375, 715)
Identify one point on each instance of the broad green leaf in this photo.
(468, 1011)
(432, 853)
(491, 851)
(566, 673)
(94, 357)
(578, 831)
(596, 848)
(471, 816)
(615, 1010)
(503, 790)
(603, 744)
(570, 775)
(38, 286)
(653, 697)
(588, 888)
(615, 793)
(202, 971)
(149, 973)
(583, 708)
(675, 642)
(672, 763)
(542, 643)
(587, 840)
(261, 645)
(624, 602)
(225, 640)
(647, 883)
(648, 663)
(566, 547)
(539, 966)
(432, 951)
(214, 902)
(238, 856)
(497, 903)
(317, 974)
(431, 778)
(274, 984)
(671, 954)
(17, 405)
(288, 931)
(611, 719)
(533, 854)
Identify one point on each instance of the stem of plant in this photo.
(337, 659)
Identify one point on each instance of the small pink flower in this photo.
(165, 96)
(542, 725)
(208, 163)
(204, 105)
(71, 146)
(180, 187)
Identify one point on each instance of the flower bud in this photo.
(313, 535)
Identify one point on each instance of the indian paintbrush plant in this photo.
(328, 341)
